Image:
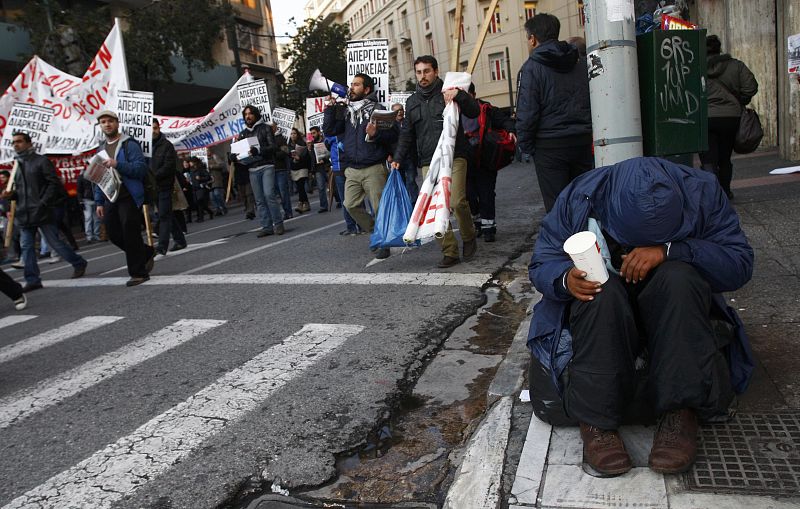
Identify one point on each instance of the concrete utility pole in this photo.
(457, 21)
(613, 80)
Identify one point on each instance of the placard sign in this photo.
(255, 93)
(370, 57)
(27, 118)
(135, 112)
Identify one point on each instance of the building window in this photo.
(403, 21)
(581, 13)
(494, 24)
(430, 45)
(497, 66)
(530, 10)
(410, 56)
(453, 22)
(390, 29)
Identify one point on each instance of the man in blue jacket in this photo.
(671, 243)
(123, 217)
(554, 118)
(364, 152)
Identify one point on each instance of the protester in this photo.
(319, 167)
(671, 242)
(163, 164)
(123, 217)
(218, 184)
(186, 171)
(482, 170)
(261, 168)
(91, 223)
(201, 187)
(282, 169)
(731, 86)
(38, 192)
(554, 119)
(365, 150)
(13, 291)
(423, 126)
(408, 167)
(300, 163)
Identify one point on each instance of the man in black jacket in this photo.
(261, 168)
(423, 125)
(554, 118)
(163, 165)
(365, 150)
(38, 192)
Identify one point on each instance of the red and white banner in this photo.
(75, 101)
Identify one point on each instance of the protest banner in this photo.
(370, 56)
(222, 123)
(315, 108)
(256, 94)
(75, 100)
(285, 119)
(27, 118)
(135, 112)
(399, 98)
(794, 54)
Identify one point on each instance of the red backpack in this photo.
(497, 142)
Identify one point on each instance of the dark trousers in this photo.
(124, 221)
(302, 196)
(481, 184)
(167, 224)
(721, 135)
(557, 167)
(668, 314)
(9, 287)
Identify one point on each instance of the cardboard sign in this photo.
(399, 98)
(285, 119)
(370, 57)
(315, 108)
(31, 119)
(135, 111)
(256, 94)
(794, 53)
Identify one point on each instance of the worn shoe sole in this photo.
(590, 470)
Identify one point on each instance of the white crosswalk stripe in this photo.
(27, 402)
(124, 466)
(8, 321)
(54, 336)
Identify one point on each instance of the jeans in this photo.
(409, 172)
(322, 185)
(91, 223)
(50, 233)
(167, 224)
(283, 187)
(218, 197)
(268, 202)
(339, 178)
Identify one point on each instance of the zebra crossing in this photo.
(118, 469)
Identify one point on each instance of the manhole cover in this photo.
(753, 454)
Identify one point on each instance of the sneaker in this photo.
(604, 453)
(137, 280)
(159, 256)
(322, 211)
(177, 247)
(29, 287)
(54, 259)
(382, 253)
(265, 233)
(348, 232)
(21, 303)
(279, 229)
(448, 261)
(79, 271)
(18, 265)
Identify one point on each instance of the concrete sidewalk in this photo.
(752, 461)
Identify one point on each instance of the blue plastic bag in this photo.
(394, 213)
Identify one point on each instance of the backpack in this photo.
(497, 144)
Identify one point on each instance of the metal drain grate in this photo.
(753, 454)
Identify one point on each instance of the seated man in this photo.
(671, 242)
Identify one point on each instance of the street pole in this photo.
(613, 80)
(457, 21)
(508, 78)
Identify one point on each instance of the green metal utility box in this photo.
(672, 84)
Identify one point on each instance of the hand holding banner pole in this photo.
(13, 212)
(147, 225)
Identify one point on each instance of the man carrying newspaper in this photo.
(120, 195)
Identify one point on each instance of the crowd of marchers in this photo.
(647, 338)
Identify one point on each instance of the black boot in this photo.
(489, 233)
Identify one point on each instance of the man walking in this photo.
(123, 217)
(319, 168)
(365, 150)
(163, 164)
(554, 118)
(38, 192)
(423, 125)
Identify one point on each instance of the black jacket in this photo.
(358, 153)
(85, 189)
(38, 191)
(281, 152)
(266, 146)
(731, 85)
(163, 162)
(553, 108)
(424, 121)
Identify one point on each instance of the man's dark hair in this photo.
(25, 136)
(315, 128)
(471, 89)
(367, 80)
(155, 121)
(713, 45)
(545, 27)
(254, 110)
(427, 59)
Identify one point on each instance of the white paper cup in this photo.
(585, 253)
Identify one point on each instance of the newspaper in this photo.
(321, 151)
(107, 179)
(383, 119)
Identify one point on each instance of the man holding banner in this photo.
(123, 216)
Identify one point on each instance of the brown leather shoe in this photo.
(675, 444)
(448, 261)
(604, 453)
